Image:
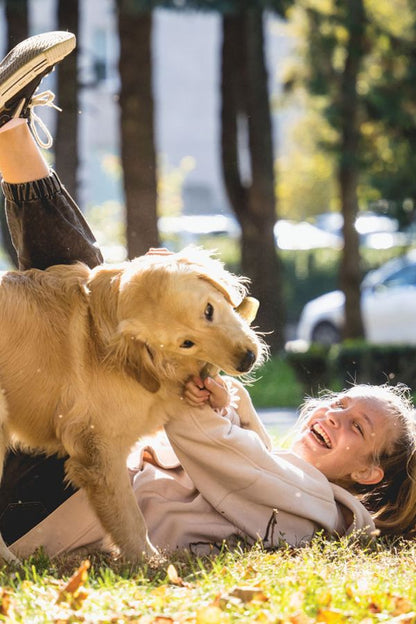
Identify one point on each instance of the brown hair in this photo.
(392, 501)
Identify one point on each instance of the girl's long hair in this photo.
(392, 501)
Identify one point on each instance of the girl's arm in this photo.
(239, 477)
(230, 397)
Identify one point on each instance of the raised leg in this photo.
(46, 225)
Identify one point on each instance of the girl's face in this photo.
(341, 437)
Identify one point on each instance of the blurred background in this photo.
(279, 133)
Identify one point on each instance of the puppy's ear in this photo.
(143, 375)
(138, 365)
(248, 309)
(230, 294)
(138, 362)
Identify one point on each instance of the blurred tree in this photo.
(17, 24)
(389, 94)
(245, 98)
(66, 141)
(306, 182)
(337, 43)
(246, 111)
(138, 155)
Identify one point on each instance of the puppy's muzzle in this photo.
(247, 361)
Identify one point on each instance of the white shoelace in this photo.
(45, 98)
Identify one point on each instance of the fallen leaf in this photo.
(174, 577)
(247, 594)
(300, 618)
(211, 615)
(6, 607)
(73, 592)
(401, 605)
(330, 616)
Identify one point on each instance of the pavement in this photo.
(278, 420)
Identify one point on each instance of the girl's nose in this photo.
(333, 418)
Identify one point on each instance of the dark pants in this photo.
(47, 228)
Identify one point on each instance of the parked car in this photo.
(375, 230)
(188, 229)
(303, 235)
(388, 304)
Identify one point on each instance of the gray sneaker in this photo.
(23, 68)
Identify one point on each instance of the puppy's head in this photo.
(182, 309)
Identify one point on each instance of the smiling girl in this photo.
(215, 476)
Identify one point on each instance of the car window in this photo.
(406, 276)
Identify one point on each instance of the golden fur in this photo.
(90, 360)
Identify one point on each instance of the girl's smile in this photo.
(343, 438)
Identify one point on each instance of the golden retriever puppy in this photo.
(90, 360)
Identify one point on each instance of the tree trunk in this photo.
(66, 142)
(138, 156)
(245, 98)
(350, 271)
(17, 20)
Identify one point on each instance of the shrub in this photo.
(311, 368)
(375, 364)
(341, 365)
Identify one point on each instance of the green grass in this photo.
(328, 581)
(276, 385)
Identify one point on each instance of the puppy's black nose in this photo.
(247, 361)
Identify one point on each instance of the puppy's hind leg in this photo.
(5, 554)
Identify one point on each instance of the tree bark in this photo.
(66, 141)
(138, 155)
(350, 269)
(245, 98)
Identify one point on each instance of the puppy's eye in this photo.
(187, 344)
(209, 312)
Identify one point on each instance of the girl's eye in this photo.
(209, 312)
(358, 427)
(187, 344)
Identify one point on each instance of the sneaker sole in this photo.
(30, 59)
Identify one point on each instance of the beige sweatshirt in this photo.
(214, 480)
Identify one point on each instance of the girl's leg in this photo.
(47, 228)
(46, 225)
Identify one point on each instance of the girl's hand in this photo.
(212, 391)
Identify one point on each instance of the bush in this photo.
(311, 368)
(375, 364)
(351, 362)
(276, 385)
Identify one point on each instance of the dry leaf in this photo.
(174, 577)
(330, 616)
(300, 618)
(73, 590)
(211, 615)
(162, 619)
(247, 594)
(6, 607)
(401, 605)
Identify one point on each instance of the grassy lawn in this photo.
(328, 581)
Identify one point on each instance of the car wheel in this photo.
(326, 333)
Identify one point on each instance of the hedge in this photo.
(341, 365)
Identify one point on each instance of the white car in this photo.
(388, 305)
